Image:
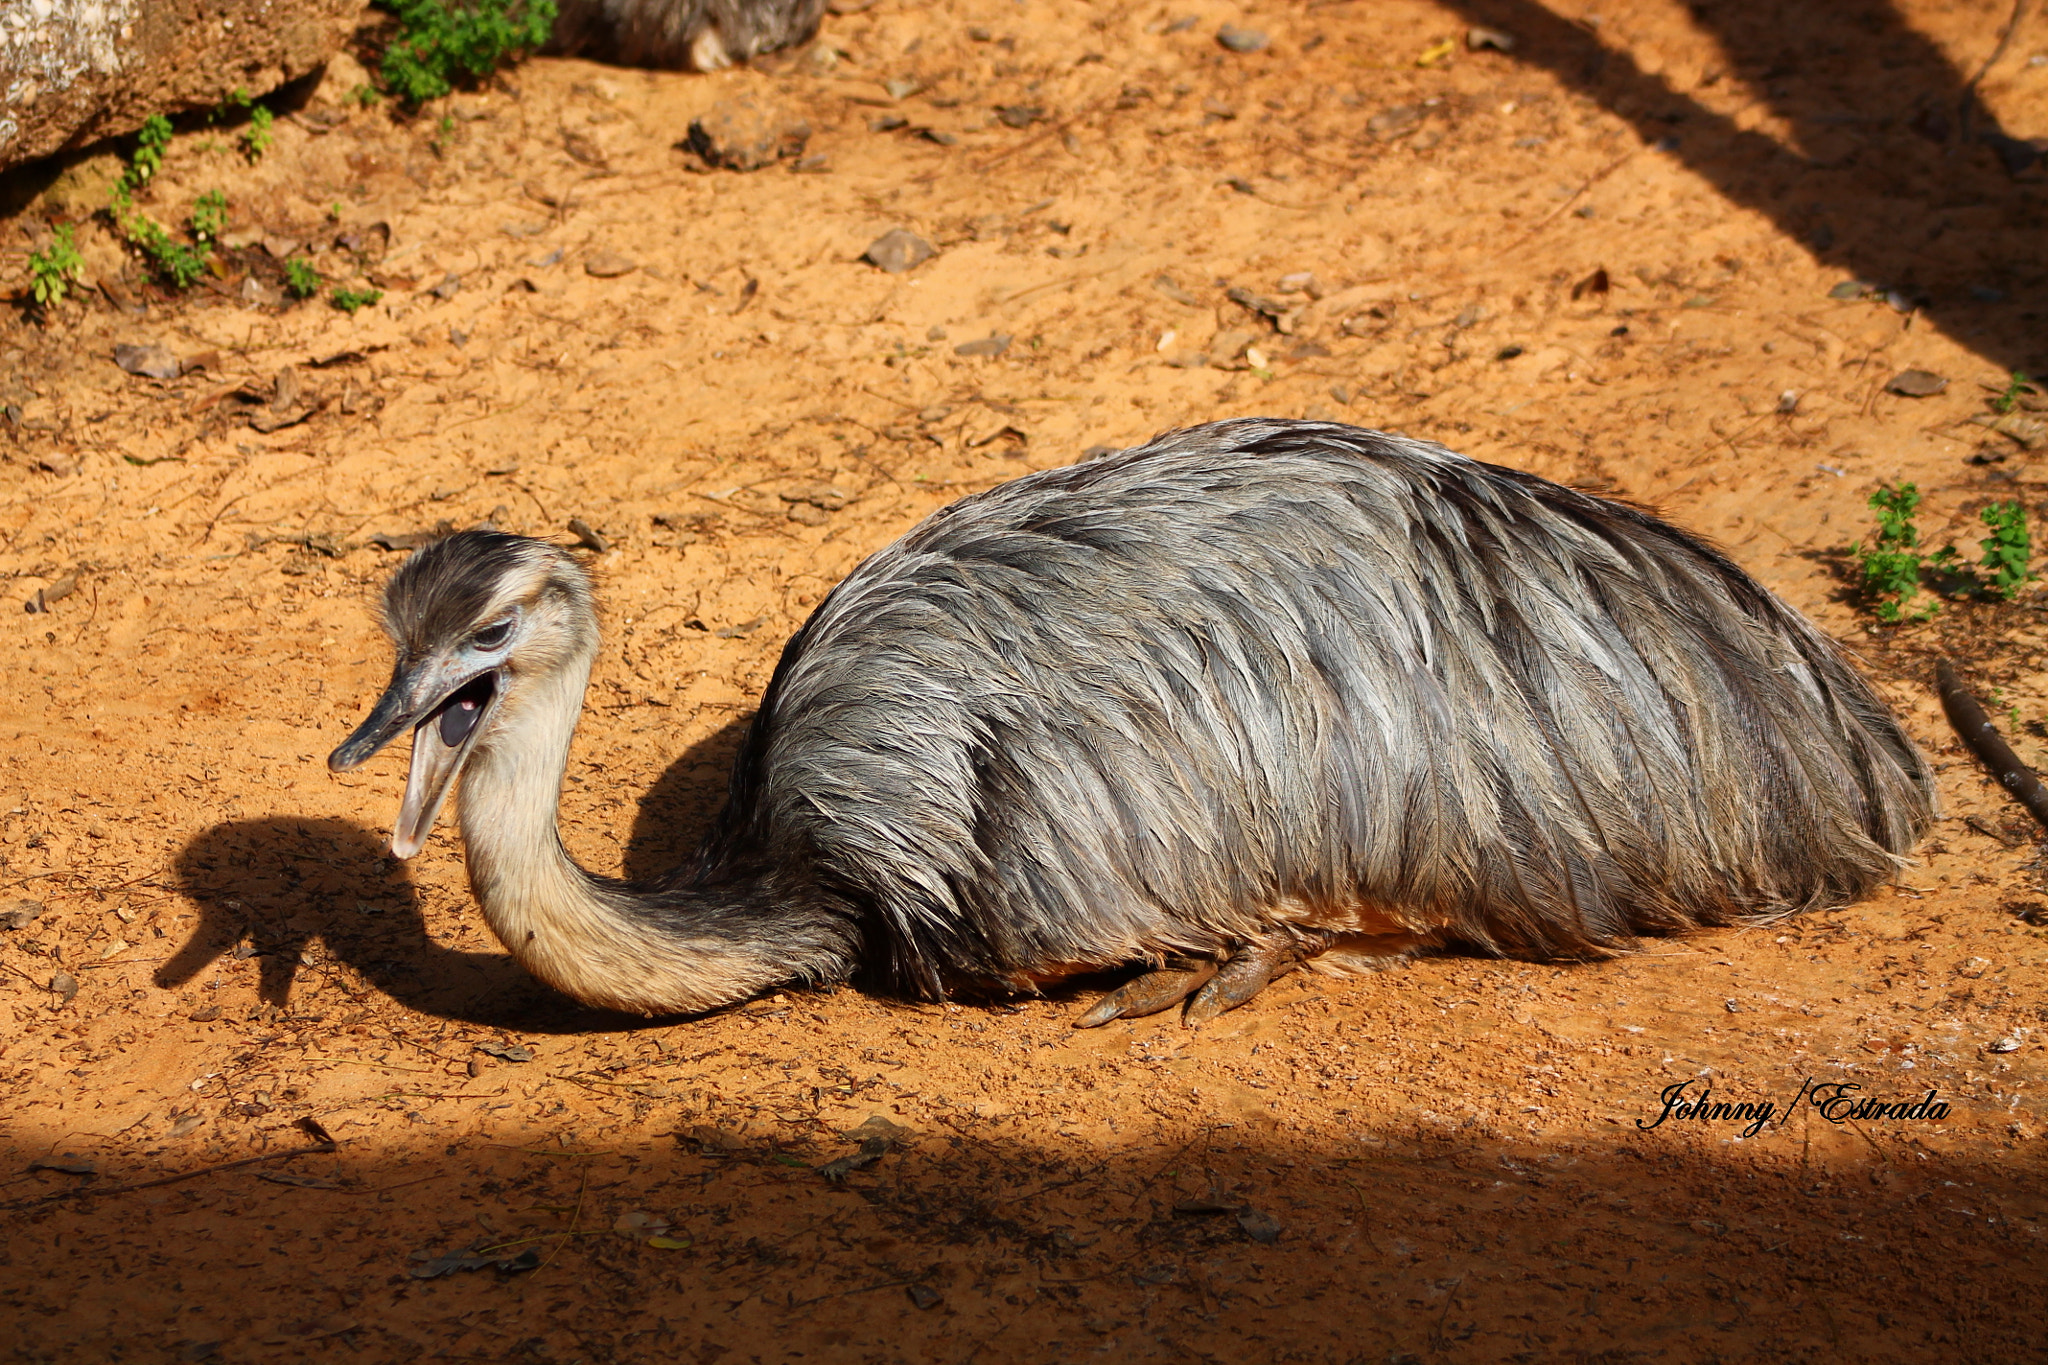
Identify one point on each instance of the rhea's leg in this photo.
(1150, 992)
(707, 51)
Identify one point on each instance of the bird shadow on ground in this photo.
(270, 889)
(1893, 170)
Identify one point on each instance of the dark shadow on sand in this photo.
(991, 1239)
(1896, 173)
(274, 888)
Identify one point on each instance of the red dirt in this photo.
(1446, 1162)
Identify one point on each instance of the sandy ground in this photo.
(1609, 256)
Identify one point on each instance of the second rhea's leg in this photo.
(1216, 987)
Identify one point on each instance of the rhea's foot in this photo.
(1150, 992)
(1250, 969)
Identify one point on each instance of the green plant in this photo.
(301, 280)
(1893, 566)
(2006, 549)
(150, 145)
(52, 269)
(1890, 568)
(438, 44)
(365, 95)
(209, 216)
(444, 133)
(2014, 387)
(177, 264)
(180, 266)
(349, 300)
(257, 137)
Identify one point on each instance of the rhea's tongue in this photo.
(460, 713)
(458, 718)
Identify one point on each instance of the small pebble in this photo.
(1396, 122)
(897, 251)
(1242, 39)
(1915, 384)
(990, 346)
(151, 362)
(606, 265)
(745, 134)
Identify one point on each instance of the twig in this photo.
(1966, 103)
(1545, 221)
(582, 1189)
(1975, 729)
(844, 1293)
(169, 1179)
(1982, 827)
(1061, 126)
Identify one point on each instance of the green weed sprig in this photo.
(439, 44)
(2006, 550)
(52, 270)
(1892, 568)
(349, 300)
(2017, 385)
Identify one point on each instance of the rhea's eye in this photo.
(493, 635)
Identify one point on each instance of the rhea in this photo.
(1252, 695)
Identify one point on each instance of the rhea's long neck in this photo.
(589, 938)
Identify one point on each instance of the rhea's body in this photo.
(701, 35)
(1252, 692)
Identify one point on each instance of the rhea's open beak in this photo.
(446, 713)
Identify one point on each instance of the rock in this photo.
(742, 134)
(990, 346)
(1226, 352)
(1165, 285)
(1242, 39)
(151, 362)
(1399, 121)
(1915, 384)
(607, 265)
(21, 914)
(75, 73)
(1479, 39)
(897, 251)
(824, 497)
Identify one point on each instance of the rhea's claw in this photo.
(1243, 977)
(1147, 994)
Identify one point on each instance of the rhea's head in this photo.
(479, 620)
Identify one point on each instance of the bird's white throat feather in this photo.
(562, 927)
